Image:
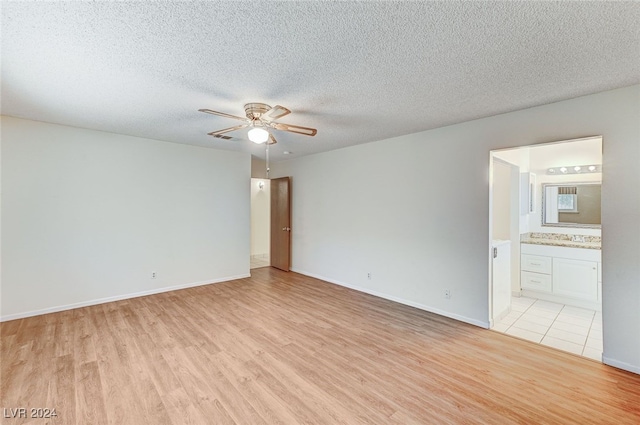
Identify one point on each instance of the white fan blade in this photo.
(275, 113)
(294, 129)
(227, 130)
(222, 114)
(272, 140)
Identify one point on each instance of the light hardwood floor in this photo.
(281, 348)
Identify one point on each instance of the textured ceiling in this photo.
(356, 71)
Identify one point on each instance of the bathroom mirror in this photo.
(571, 205)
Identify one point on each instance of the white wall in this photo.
(260, 217)
(414, 211)
(258, 168)
(518, 157)
(88, 216)
(501, 200)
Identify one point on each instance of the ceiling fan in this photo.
(260, 117)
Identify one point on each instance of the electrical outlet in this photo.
(369, 275)
(447, 293)
(153, 275)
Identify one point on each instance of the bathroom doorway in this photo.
(260, 223)
(539, 198)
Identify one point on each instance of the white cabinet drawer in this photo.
(535, 281)
(536, 263)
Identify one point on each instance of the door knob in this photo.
(286, 229)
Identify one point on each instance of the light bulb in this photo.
(592, 168)
(258, 135)
(551, 171)
(563, 169)
(577, 168)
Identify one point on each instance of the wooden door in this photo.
(281, 223)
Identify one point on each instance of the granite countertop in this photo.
(559, 239)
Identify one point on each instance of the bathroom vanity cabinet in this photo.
(566, 275)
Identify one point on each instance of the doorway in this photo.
(271, 223)
(555, 265)
(260, 223)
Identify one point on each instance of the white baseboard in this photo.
(430, 309)
(117, 298)
(502, 315)
(620, 365)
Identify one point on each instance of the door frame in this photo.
(514, 224)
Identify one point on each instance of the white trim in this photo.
(399, 300)
(117, 298)
(621, 365)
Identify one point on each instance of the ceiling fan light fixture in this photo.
(258, 135)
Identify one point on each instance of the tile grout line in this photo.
(528, 308)
(519, 317)
(588, 333)
(552, 322)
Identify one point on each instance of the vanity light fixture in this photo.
(576, 169)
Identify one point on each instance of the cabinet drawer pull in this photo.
(535, 281)
(536, 264)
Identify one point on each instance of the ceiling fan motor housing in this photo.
(255, 110)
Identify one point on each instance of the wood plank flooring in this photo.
(282, 348)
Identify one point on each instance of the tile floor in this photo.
(258, 261)
(572, 329)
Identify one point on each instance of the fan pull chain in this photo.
(267, 159)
